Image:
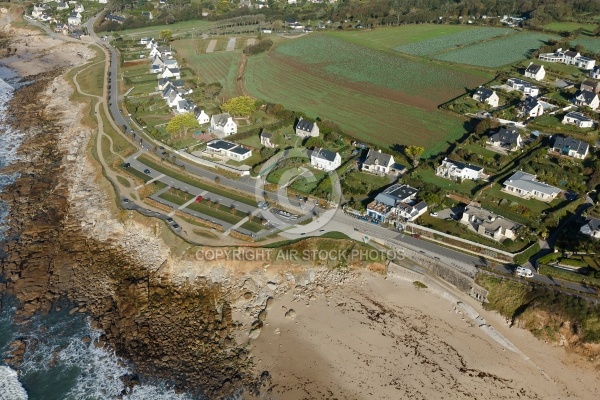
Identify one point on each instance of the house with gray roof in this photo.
(507, 138)
(523, 86)
(305, 128)
(526, 185)
(590, 86)
(591, 227)
(487, 96)
(585, 98)
(531, 107)
(570, 147)
(535, 71)
(378, 163)
(595, 72)
(266, 139)
(222, 125)
(577, 119)
(228, 149)
(489, 224)
(397, 203)
(456, 170)
(325, 160)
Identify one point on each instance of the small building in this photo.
(147, 15)
(487, 96)
(591, 227)
(455, 170)
(508, 138)
(265, 139)
(586, 98)
(531, 107)
(62, 6)
(325, 160)
(570, 147)
(151, 44)
(185, 106)
(171, 63)
(74, 18)
(488, 224)
(114, 18)
(378, 163)
(239, 153)
(523, 86)
(305, 128)
(526, 185)
(79, 8)
(398, 203)
(145, 40)
(222, 125)
(202, 118)
(595, 72)
(590, 86)
(535, 71)
(228, 149)
(577, 119)
(171, 73)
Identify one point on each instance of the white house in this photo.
(202, 118)
(228, 149)
(595, 73)
(397, 203)
(570, 58)
(103, 1)
(222, 125)
(585, 98)
(39, 10)
(378, 163)
(265, 139)
(173, 99)
(507, 138)
(577, 119)
(185, 106)
(570, 147)
(487, 96)
(151, 44)
(535, 71)
(325, 160)
(306, 128)
(531, 107)
(79, 8)
(591, 227)
(62, 6)
(171, 63)
(525, 185)
(486, 223)
(171, 73)
(74, 18)
(523, 86)
(145, 40)
(455, 170)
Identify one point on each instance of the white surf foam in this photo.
(10, 387)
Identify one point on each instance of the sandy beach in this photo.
(377, 338)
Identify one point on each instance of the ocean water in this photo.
(61, 360)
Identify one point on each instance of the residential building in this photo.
(145, 40)
(173, 99)
(147, 15)
(378, 163)
(486, 223)
(79, 8)
(570, 147)
(531, 107)
(395, 204)
(171, 73)
(164, 83)
(591, 227)
(570, 58)
(487, 96)
(508, 138)
(74, 18)
(265, 139)
(62, 6)
(184, 106)
(39, 10)
(526, 185)
(325, 160)
(586, 98)
(535, 71)
(103, 1)
(114, 18)
(171, 63)
(222, 125)
(306, 129)
(202, 118)
(590, 86)
(577, 119)
(228, 149)
(595, 72)
(523, 86)
(151, 44)
(456, 170)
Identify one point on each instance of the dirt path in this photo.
(211, 46)
(240, 75)
(231, 44)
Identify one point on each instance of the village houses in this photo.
(202, 117)
(325, 160)
(486, 96)
(577, 119)
(523, 86)
(591, 227)
(265, 139)
(570, 147)
(396, 203)
(228, 149)
(569, 57)
(378, 163)
(526, 185)
(222, 125)
(531, 107)
(306, 129)
(586, 98)
(455, 170)
(507, 138)
(488, 224)
(535, 71)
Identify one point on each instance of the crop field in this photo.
(590, 43)
(497, 52)
(390, 37)
(449, 42)
(414, 82)
(362, 113)
(569, 26)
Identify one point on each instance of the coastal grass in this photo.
(211, 187)
(505, 295)
(123, 181)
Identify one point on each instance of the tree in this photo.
(414, 153)
(313, 142)
(166, 35)
(241, 106)
(181, 123)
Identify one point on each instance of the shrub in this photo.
(258, 48)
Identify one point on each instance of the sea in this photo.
(61, 360)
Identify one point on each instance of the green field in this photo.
(178, 28)
(498, 52)
(449, 42)
(590, 43)
(569, 26)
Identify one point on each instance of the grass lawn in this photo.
(569, 26)
(505, 295)
(220, 213)
(557, 68)
(306, 186)
(91, 80)
(480, 150)
(201, 184)
(359, 184)
(429, 176)
(532, 204)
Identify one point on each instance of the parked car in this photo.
(416, 235)
(146, 171)
(126, 165)
(199, 199)
(433, 214)
(524, 272)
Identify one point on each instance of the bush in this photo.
(258, 48)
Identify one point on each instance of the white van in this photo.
(524, 272)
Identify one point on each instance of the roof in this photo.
(266, 135)
(221, 119)
(174, 70)
(593, 223)
(528, 183)
(305, 125)
(571, 53)
(396, 194)
(530, 103)
(521, 82)
(178, 83)
(506, 136)
(484, 93)
(377, 157)
(533, 68)
(240, 150)
(589, 82)
(324, 154)
(461, 165)
(220, 144)
(114, 17)
(490, 220)
(567, 144)
(578, 116)
(585, 96)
